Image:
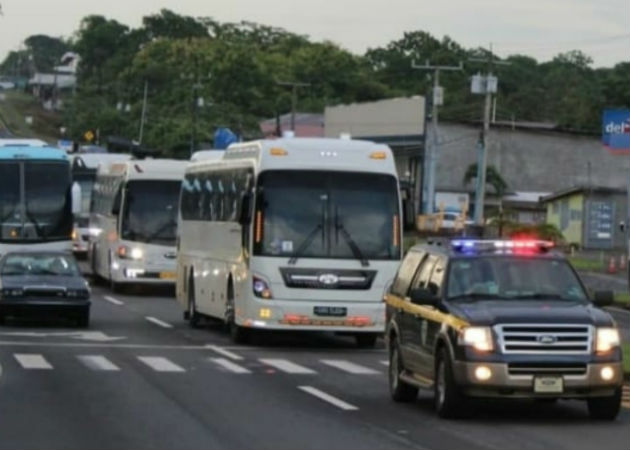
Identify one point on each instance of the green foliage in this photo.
(235, 68)
(493, 178)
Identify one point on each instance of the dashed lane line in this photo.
(99, 363)
(160, 364)
(287, 366)
(32, 361)
(113, 300)
(328, 398)
(349, 367)
(158, 322)
(230, 366)
(223, 352)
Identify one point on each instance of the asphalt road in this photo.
(141, 378)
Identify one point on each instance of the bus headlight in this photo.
(606, 339)
(261, 288)
(125, 252)
(479, 338)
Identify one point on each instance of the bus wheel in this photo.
(193, 316)
(239, 335)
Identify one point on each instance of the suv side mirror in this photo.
(423, 297)
(603, 298)
(246, 210)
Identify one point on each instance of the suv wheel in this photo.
(605, 408)
(398, 389)
(449, 403)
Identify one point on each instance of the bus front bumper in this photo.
(351, 317)
(135, 273)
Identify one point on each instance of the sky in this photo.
(539, 28)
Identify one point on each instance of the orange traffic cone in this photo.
(612, 266)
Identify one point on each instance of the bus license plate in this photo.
(330, 311)
(167, 275)
(548, 385)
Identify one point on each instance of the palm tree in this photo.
(493, 179)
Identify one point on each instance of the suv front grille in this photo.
(546, 369)
(544, 339)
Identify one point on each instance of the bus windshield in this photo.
(150, 211)
(317, 214)
(46, 211)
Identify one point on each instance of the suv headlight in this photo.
(606, 339)
(479, 338)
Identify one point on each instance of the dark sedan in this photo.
(43, 284)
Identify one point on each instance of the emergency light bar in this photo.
(479, 244)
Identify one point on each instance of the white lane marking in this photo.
(349, 367)
(113, 300)
(287, 366)
(328, 398)
(160, 364)
(98, 362)
(229, 365)
(385, 362)
(158, 322)
(224, 352)
(32, 361)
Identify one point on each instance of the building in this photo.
(306, 125)
(589, 217)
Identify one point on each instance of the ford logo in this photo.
(328, 279)
(547, 339)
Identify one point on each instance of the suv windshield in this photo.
(513, 278)
(150, 211)
(56, 265)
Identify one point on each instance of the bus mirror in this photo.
(246, 210)
(76, 198)
(116, 204)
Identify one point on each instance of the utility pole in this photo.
(487, 85)
(294, 85)
(143, 116)
(431, 152)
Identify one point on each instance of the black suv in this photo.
(500, 319)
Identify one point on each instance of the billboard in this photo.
(616, 130)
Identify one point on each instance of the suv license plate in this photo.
(330, 311)
(548, 385)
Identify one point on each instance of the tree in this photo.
(493, 179)
(46, 51)
(169, 25)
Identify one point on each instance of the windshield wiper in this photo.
(356, 251)
(543, 296)
(305, 243)
(157, 232)
(477, 296)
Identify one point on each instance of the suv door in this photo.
(430, 328)
(400, 290)
(415, 325)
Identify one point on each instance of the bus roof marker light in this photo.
(277, 151)
(378, 155)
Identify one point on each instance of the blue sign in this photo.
(616, 129)
(223, 137)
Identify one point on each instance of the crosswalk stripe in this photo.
(349, 367)
(98, 362)
(160, 364)
(32, 361)
(286, 366)
(113, 300)
(328, 398)
(224, 352)
(159, 322)
(230, 366)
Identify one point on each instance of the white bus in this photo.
(207, 155)
(290, 234)
(133, 220)
(84, 168)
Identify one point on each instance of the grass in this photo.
(17, 105)
(622, 298)
(587, 264)
(626, 358)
